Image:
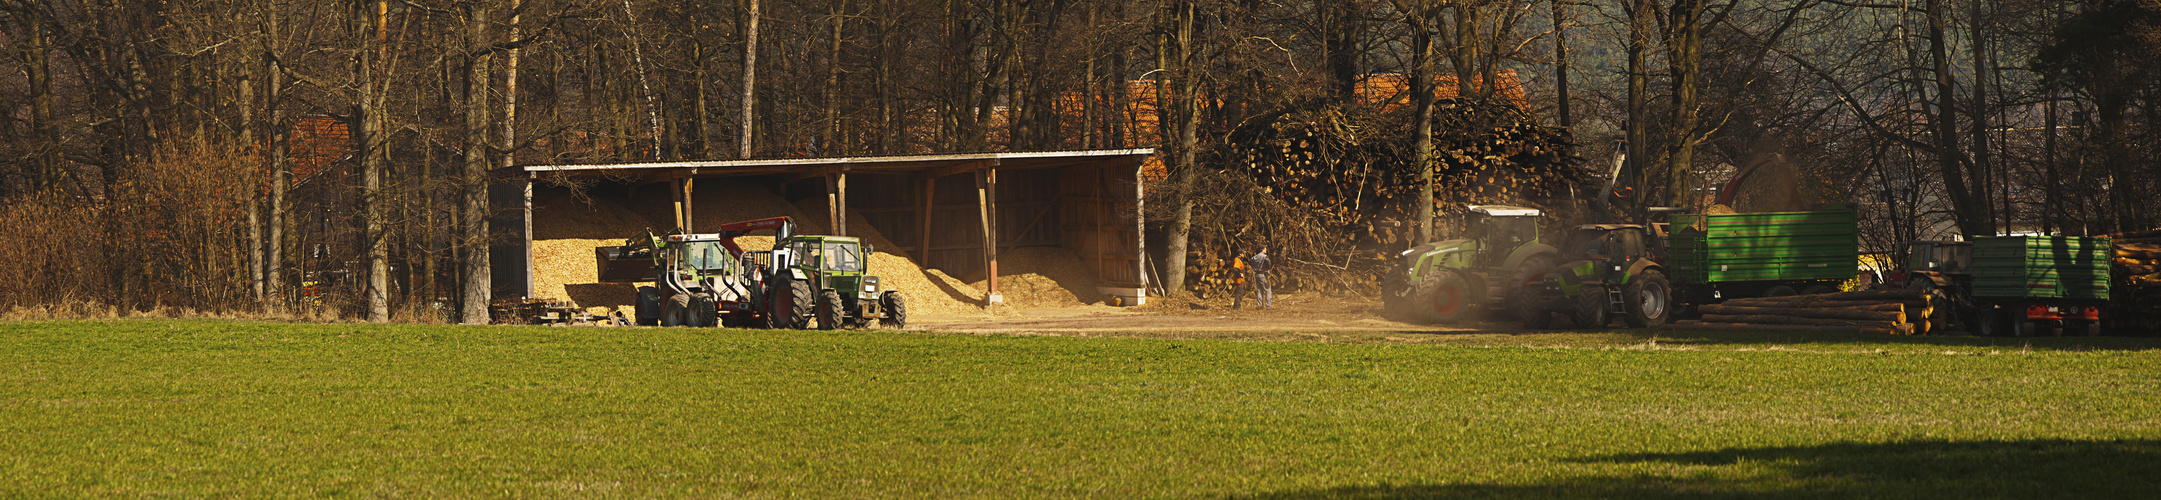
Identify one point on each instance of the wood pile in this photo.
(2137, 256)
(2136, 268)
(1900, 312)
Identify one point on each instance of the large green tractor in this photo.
(834, 271)
(1614, 270)
(1448, 281)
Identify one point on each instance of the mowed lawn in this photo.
(230, 408)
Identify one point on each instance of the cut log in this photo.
(1811, 304)
(2150, 233)
(1880, 329)
(1796, 320)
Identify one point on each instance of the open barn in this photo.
(955, 232)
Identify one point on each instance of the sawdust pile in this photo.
(569, 228)
(1044, 277)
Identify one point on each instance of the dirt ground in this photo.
(1295, 317)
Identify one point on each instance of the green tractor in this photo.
(1614, 270)
(832, 272)
(1446, 281)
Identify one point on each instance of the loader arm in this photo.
(729, 231)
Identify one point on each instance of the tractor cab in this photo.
(1499, 227)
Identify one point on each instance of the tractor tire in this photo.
(1443, 296)
(1534, 315)
(703, 313)
(800, 304)
(1590, 309)
(1818, 289)
(1780, 291)
(1531, 267)
(648, 307)
(1396, 297)
(674, 313)
(830, 310)
(896, 310)
(1648, 300)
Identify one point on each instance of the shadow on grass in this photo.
(1918, 469)
(1710, 338)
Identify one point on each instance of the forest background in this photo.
(257, 155)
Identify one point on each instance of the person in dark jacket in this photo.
(1264, 294)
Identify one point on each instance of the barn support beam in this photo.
(986, 195)
(926, 190)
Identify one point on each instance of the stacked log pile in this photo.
(1901, 312)
(2135, 266)
(2137, 256)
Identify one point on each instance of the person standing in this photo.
(1238, 280)
(1264, 294)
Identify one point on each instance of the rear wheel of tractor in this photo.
(799, 304)
(1517, 291)
(829, 310)
(1779, 291)
(1648, 299)
(673, 314)
(1444, 296)
(896, 310)
(1818, 290)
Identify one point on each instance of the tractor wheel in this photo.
(675, 312)
(1590, 308)
(830, 311)
(1443, 296)
(799, 304)
(1534, 315)
(896, 310)
(702, 311)
(1780, 291)
(1648, 299)
(1818, 289)
(1530, 268)
(648, 307)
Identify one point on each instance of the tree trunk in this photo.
(1685, 59)
(374, 160)
(473, 306)
(1423, 95)
(750, 77)
(1974, 218)
(1183, 170)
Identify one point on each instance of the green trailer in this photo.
(2026, 285)
(1768, 254)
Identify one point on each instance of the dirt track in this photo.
(1295, 315)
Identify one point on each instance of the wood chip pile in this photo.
(567, 228)
(1043, 277)
(1900, 312)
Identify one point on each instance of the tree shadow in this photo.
(1717, 338)
(2048, 468)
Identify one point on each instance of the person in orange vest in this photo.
(1238, 280)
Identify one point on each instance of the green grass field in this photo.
(228, 408)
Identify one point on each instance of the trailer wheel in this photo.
(1818, 289)
(896, 310)
(1648, 299)
(1779, 291)
(829, 310)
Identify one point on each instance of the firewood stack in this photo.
(1901, 312)
(2138, 256)
(2136, 266)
